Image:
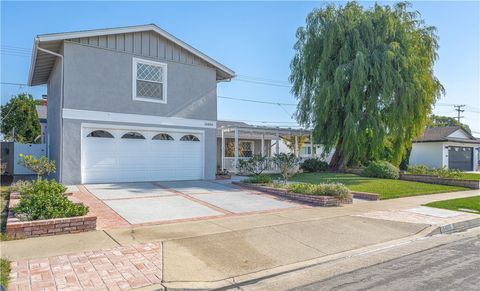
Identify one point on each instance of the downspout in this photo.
(60, 168)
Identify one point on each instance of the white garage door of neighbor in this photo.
(125, 155)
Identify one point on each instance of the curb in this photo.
(246, 279)
(456, 227)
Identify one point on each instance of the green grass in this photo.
(470, 203)
(469, 176)
(386, 188)
(4, 199)
(4, 272)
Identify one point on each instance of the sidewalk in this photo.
(215, 249)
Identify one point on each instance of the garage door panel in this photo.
(130, 160)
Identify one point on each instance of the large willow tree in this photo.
(364, 78)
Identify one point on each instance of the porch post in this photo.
(296, 146)
(311, 144)
(223, 149)
(236, 150)
(262, 152)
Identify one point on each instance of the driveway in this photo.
(150, 202)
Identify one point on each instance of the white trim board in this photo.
(136, 118)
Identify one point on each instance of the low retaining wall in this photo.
(472, 184)
(366, 196)
(310, 199)
(24, 229)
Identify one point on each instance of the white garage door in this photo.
(126, 155)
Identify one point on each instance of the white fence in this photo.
(36, 150)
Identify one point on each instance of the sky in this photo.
(255, 39)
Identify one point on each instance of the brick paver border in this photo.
(119, 268)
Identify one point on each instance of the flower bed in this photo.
(317, 200)
(472, 184)
(24, 229)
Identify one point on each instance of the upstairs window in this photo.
(150, 81)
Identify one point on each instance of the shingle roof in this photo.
(442, 134)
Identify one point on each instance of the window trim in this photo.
(164, 66)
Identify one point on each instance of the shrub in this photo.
(46, 200)
(443, 172)
(20, 186)
(259, 179)
(287, 164)
(254, 165)
(446, 172)
(314, 165)
(418, 170)
(328, 189)
(41, 166)
(381, 169)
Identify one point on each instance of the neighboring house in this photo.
(253, 140)
(450, 147)
(42, 117)
(128, 104)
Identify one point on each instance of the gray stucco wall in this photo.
(54, 118)
(101, 80)
(98, 79)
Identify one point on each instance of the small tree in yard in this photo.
(41, 166)
(287, 164)
(254, 165)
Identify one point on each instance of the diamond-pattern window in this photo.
(150, 80)
(149, 89)
(149, 72)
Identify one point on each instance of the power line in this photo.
(257, 101)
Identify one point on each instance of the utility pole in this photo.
(459, 110)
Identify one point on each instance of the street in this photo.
(453, 266)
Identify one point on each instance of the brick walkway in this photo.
(120, 268)
(106, 217)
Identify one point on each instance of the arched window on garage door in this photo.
(189, 137)
(162, 136)
(100, 133)
(133, 135)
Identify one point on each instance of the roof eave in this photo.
(33, 62)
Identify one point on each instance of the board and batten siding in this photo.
(147, 44)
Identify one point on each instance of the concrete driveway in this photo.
(150, 202)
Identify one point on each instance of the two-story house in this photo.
(128, 104)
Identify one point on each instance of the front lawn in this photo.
(459, 204)
(385, 187)
(4, 272)
(469, 176)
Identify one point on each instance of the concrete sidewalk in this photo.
(218, 249)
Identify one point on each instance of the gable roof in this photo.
(42, 63)
(436, 134)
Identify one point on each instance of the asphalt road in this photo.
(453, 266)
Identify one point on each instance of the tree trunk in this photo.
(337, 161)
